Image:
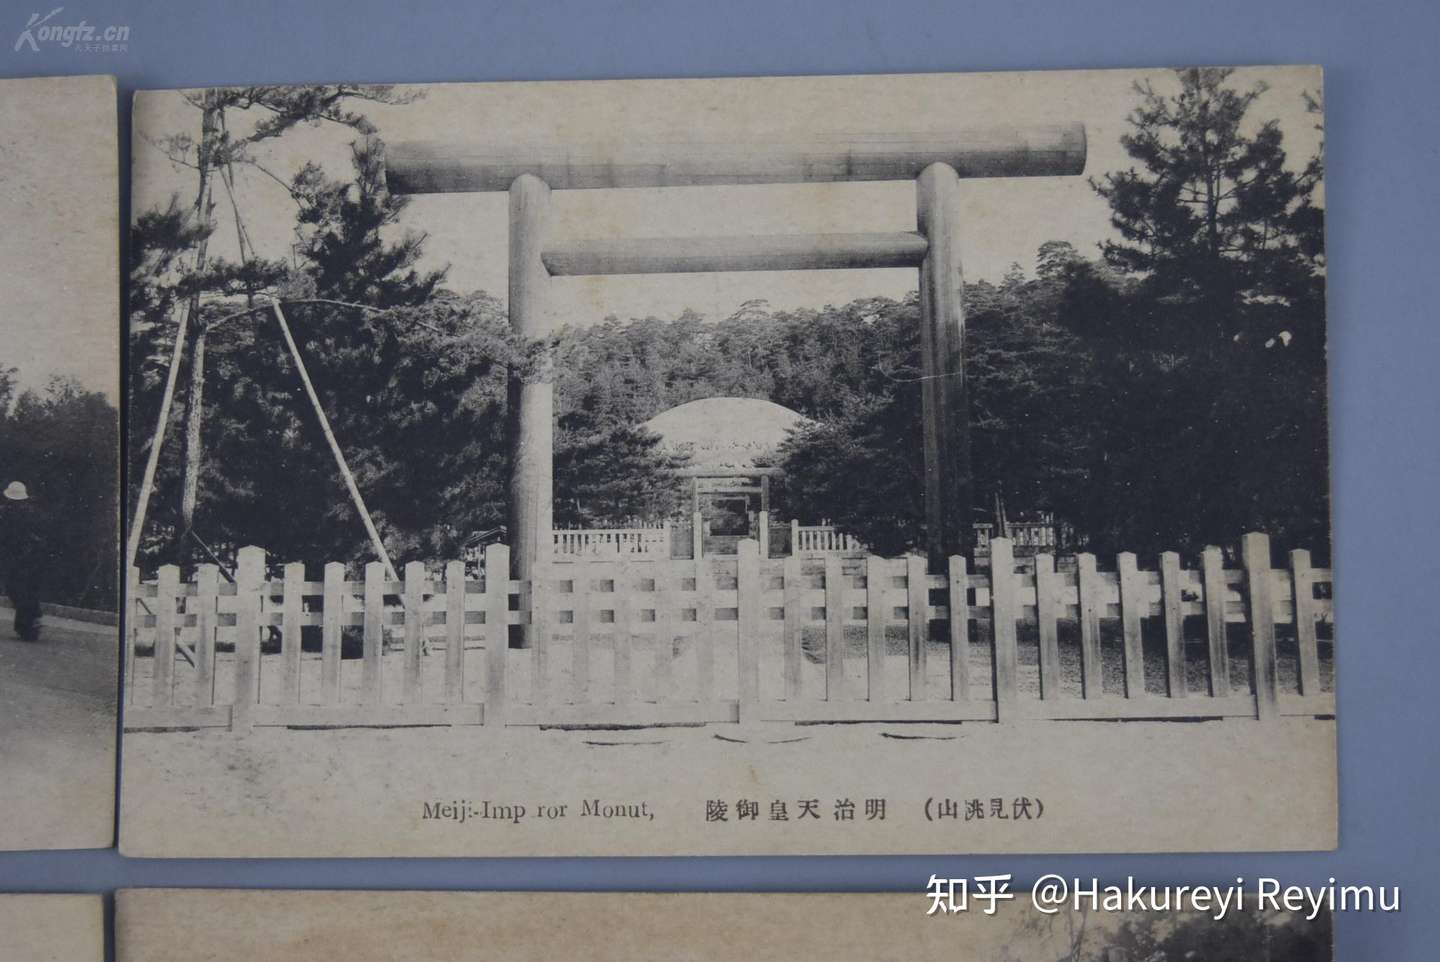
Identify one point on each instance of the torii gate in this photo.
(936, 162)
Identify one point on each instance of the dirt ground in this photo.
(57, 736)
(1105, 786)
(1117, 786)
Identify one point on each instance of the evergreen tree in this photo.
(1164, 397)
(412, 386)
(63, 442)
(1214, 220)
(608, 476)
(339, 241)
(179, 282)
(1210, 344)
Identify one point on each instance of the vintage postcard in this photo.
(929, 463)
(52, 928)
(59, 461)
(164, 925)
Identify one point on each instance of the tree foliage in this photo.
(1250, 936)
(63, 443)
(1212, 348)
(1165, 392)
(412, 386)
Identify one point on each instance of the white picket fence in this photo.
(631, 641)
(818, 540)
(642, 542)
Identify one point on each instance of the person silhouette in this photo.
(22, 561)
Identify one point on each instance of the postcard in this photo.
(59, 461)
(888, 464)
(52, 928)
(159, 925)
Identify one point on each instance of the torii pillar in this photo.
(935, 161)
(530, 407)
(945, 411)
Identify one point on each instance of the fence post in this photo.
(748, 601)
(665, 619)
(835, 689)
(1303, 585)
(580, 615)
(332, 630)
(959, 629)
(1174, 624)
(697, 536)
(537, 597)
(764, 525)
(1047, 613)
(167, 591)
(704, 631)
(132, 630)
(794, 627)
(455, 632)
(249, 584)
(1087, 582)
(794, 536)
(1132, 609)
(207, 588)
(622, 639)
(917, 623)
(1213, 568)
(1255, 553)
(372, 681)
(497, 630)
(875, 621)
(291, 603)
(1004, 612)
(413, 602)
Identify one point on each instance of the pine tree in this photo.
(339, 240)
(1210, 345)
(1214, 221)
(220, 149)
(411, 379)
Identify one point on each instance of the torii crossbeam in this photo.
(936, 162)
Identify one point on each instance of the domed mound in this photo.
(725, 433)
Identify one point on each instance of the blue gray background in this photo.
(1383, 140)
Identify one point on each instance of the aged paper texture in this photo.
(59, 461)
(159, 925)
(52, 928)
(926, 463)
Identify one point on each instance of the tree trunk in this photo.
(210, 121)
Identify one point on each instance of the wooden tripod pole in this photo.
(334, 445)
(147, 482)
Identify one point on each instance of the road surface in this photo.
(57, 735)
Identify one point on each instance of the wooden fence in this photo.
(687, 542)
(626, 641)
(816, 540)
(648, 542)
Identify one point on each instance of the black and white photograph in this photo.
(849, 465)
(59, 461)
(176, 925)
